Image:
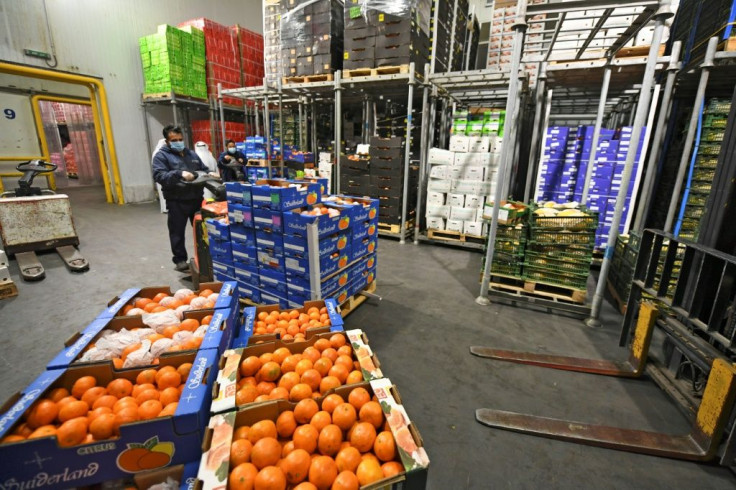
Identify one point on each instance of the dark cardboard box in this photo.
(386, 153)
(393, 142)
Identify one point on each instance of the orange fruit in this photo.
(120, 387)
(372, 413)
(280, 354)
(331, 401)
(183, 370)
(169, 395)
(42, 413)
(190, 324)
(286, 424)
(159, 297)
(305, 485)
(346, 480)
(150, 409)
(240, 452)
(169, 409)
(241, 432)
(288, 380)
(303, 365)
(138, 389)
(328, 383)
(369, 470)
(287, 448)
(94, 413)
(125, 402)
(340, 372)
(266, 452)
(270, 371)
(311, 353)
(57, 394)
(206, 320)
(330, 353)
(289, 364)
(344, 416)
(83, 384)
(322, 472)
(265, 387)
(362, 436)
(354, 377)
(125, 416)
(242, 477)
(384, 446)
(103, 426)
(205, 293)
(150, 307)
(348, 459)
(73, 410)
(329, 440)
(12, 438)
(322, 344)
(346, 361)
(261, 429)
(170, 331)
(305, 410)
(246, 394)
(105, 401)
(169, 379)
(296, 466)
(148, 394)
(91, 395)
(142, 302)
(270, 478)
(337, 340)
(359, 397)
(312, 378)
(392, 468)
(43, 431)
(323, 365)
(320, 420)
(72, 431)
(300, 391)
(305, 437)
(146, 376)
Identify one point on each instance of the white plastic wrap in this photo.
(183, 293)
(201, 331)
(169, 484)
(161, 320)
(198, 302)
(140, 357)
(161, 346)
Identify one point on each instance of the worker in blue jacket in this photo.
(230, 156)
(173, 164)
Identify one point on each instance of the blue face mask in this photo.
(232, 150)
(177, 145)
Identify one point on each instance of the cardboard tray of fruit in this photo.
(88, 424)
(258, 328)
(282, 195)
(329, 219)
(357, 436)
(362, 208)
(293, 370)
(136, 301)
(138, 341)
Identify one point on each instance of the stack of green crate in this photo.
(493, 122)
(198, 73)
(460, 121)
(168, 57)
(560, 249)
(715, 118)
(508, 252)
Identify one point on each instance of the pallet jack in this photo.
(34, 219)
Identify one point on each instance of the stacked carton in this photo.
(311, 37)
(381, 33)
(250, 46)
(202, 131)
(500, 45)
(460, 181)
(264, 244)
(171, 64)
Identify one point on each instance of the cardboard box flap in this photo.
(117, 303)
(27, 398)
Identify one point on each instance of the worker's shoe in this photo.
(181, 267)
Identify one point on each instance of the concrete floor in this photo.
(421, 332)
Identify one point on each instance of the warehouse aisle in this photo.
(421, 332)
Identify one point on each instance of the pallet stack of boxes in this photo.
(564, 166)
(442, 17)
(387, 179)
(460, 181)
(382, 33)
(272, 41)
(250, 47)
(457, 56)
(311, 37)
(263, 244)
(173, 61)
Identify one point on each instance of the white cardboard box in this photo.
(436, 198)
(462, 214)
(474, 201)
(479, 213)
(439, 156)
(486, 189)
(439, 171)
(455, 225)
(490, 175)
(476, 228)
(459, 143)
(463, 186)
(472, 172)
(456, 200)
(436, 211)
(439, 185)
(454, 172)
(435, 223)
(463, 159)
(480, 144)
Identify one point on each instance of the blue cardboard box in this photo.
(328, 264)
(248, 275)
(272, 280)
(323, 184)
(244, 254)
(368, 206)
(177, 438)
(268, 219)
(218, 276)
(240, 214)
(221, 251)
(363, 248)
(269, 258)
(296, 221)
(272, 298)
(249, 291)
(270, 241)
(283, 195)
(238, 193)
(297, 246)
(364, 229)
(242, 235)
(218, 228)
(223, 267)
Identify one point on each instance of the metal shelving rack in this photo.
(337, 91)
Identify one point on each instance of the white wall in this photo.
(100, 38)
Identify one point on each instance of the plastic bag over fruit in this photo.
(373, 11)
(159, 321)
(312, 32)
(169, 484)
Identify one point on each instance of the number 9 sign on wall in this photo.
(18, 136)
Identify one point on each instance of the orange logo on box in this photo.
(146, 456)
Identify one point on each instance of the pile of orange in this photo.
(280, 374)
(90, 412)
(189, 325)
(291, 324)
(341, 446)
(162, 302)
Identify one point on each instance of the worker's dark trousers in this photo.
(179, 213)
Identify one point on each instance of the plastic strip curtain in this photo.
(82, 135)
(52, 114)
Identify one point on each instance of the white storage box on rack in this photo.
(460, 180)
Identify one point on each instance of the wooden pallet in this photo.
(326, 77)
(350, 304)
(523, 287)
(728, 45)
(638, 51)
(620, 304)
(454, 236)
(8, 289)
(382, 70)
(386, 228)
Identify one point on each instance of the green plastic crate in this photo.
(544, 236)
(566, 279)
(564, 223)
(559, 265)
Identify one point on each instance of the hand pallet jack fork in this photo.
(700, 444)
(32, 219)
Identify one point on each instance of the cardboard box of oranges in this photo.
(98, 344)
(184, 474)
(88, 424)
(156, 297)
(257, 327)
(293, 370)
(357, 436)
